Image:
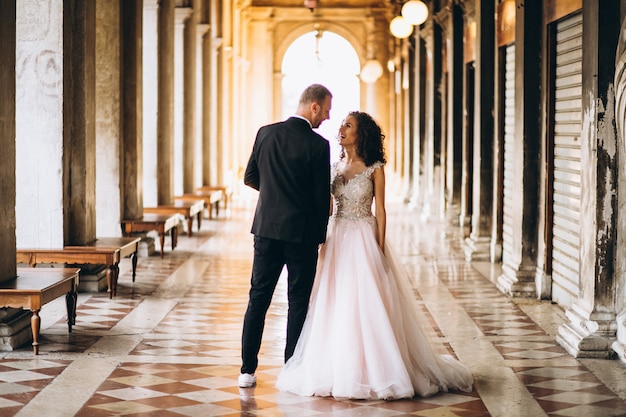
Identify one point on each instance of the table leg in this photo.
(110, 278)
(70, 302)
(199, 220)
(162, 240)
(133, 259)
(35, 323)
(189, 224)
(174, 237)
(114, 279)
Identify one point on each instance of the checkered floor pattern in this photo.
(168, 343)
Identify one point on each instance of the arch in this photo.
(326, 58)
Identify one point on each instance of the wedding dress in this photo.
(362, 338)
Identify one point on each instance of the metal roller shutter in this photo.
(509, 153)
(567, 148)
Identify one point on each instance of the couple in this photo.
(361, 337)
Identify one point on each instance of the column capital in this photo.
(202, 29)
(182, 14)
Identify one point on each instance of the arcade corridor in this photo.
(168, 344)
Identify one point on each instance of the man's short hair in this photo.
(315, 93)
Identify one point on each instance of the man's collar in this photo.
(303, 118)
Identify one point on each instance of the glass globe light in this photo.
(415, 12)
(400, 28)
(371, 71)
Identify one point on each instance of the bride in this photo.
(362, 338)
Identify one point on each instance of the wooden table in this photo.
(161, 223)
(226, 192)
(128, 246)
(109, 256)
(211, 200)
(188, 209)
(33, 288)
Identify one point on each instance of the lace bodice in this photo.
(353, 198)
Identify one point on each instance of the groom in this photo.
(290, 167)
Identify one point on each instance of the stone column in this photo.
(165, 106)
(79, 133)
(592, 326)
(455, 110)
(477, 245)
(108, 118)
(518, 272)
(7, 140)
(181, 79)
(150, 101)
(419, 124)
(619, 345)
(203, 86)
(190, 68)
(132, 108)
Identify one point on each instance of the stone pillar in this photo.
(132, 108)
(477, 245)
(454, 167)
(108, 118)
(203, 87)
(592, 326)
(189, 104)
(79, 133)
(150, 101)
(619, 345)
(518, 272)
(182, 74)
(7, 140)
(165, 107)
(419, 84)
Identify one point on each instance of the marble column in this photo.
(7, 140)
(592, 325)
(519, 269)
(182, 78)
(477, 245)
(108, 118)
(150, 100)
(165, 105)
(132, 108)
(619, 345)
(451, 21)
(203, 87)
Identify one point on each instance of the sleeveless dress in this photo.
(362, 338)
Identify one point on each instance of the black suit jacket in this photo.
(290, 167)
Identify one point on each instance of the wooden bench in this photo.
(109, 256)
(211, 200)
(226, 192)
(128, 246)
(188, 209)
(33, 288)
(161, 223)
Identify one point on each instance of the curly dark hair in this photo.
(369, 143)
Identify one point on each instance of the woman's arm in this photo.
(378, 177)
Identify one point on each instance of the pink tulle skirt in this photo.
(362, 338)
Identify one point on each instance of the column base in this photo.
(619, 346)
(583, 337)
(93, 278)
(477, 248)
(146, 247)
(517, 283)
(15, 329)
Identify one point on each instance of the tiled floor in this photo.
(168, 344)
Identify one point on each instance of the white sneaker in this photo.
(246, 380)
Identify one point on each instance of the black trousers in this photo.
(270, 256)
